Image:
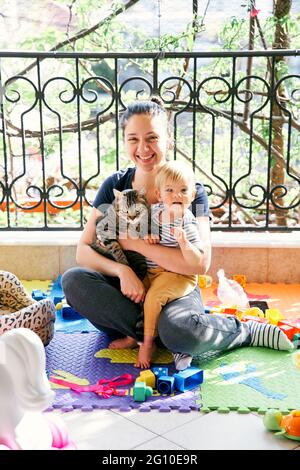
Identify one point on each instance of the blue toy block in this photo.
(165, 384)
(159, 371)
(37, 294)
(68, 313)
(188, 379)
(58, 298)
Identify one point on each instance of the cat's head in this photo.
(131, 204)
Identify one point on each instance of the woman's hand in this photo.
(131, 286)
(151, 239)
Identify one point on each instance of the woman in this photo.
(109, 293)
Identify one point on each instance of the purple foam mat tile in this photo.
(75, 353)
(145, 409)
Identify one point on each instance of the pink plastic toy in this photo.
(24, 393)
(99, 388)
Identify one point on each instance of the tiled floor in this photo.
(112, 430)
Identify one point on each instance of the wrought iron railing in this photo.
(235, 116)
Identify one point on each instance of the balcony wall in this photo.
(262, 257)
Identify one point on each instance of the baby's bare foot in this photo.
(123, 343)
(145, 356)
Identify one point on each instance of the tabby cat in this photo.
(127, 215)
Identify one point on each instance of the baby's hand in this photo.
(151, 239)
(179, 235)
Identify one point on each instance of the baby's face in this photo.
(177, 196)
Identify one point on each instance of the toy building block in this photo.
(241, 279)
(290, 331)
(204, 281)
(274, 315)
(261, 304)
(59, 299)
(291, 322)
(37, 294)
(141, 391)
(296, 340)
(68, 313)
(255, 312)
(159, 371)
(165, 384)
(208, 309)
(188, 379)
(148, 377)
(246, 318)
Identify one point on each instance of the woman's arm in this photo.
(172, 259)
(130, 284)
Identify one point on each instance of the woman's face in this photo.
(146, 141)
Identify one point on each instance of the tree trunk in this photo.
(281, 41)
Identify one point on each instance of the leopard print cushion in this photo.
(18, 309)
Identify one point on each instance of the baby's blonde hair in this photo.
(174, 171)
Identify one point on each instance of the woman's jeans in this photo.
(183, 326)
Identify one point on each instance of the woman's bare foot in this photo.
(145, 355)
(123, 343)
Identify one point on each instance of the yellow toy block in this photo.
(148, 377)
(241, 279)
(204, 281)
(274, 315)
(255, 312)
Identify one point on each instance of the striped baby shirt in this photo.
(188, 222)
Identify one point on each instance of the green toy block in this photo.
(141, 391)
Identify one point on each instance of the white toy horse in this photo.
(24, 393)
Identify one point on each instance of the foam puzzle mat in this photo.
(251, 379)
(83, 359)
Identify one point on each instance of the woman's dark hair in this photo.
(154, 106)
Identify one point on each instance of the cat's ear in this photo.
(117, 193)
(142, 192)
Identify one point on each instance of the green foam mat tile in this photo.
(251, 379)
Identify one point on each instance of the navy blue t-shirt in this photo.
(122, 179)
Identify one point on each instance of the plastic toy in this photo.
(254, 311)
(104, 387)
(252, 318)
(188, 379)
(204, 281)
(37, 294)
(241, 279)
(288, 330)
(141, 391)
(24, 393)
(158, 371)
(288, 426)
(230, 293)
(261, 304)
(67, 312)
(148, 377)
(295, 324)
(274, 315)
(296, 340)
(165, 384)
(296, 359)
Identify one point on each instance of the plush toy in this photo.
(288, 426)
(19, 310)
(24, 393)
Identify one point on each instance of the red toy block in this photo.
(288, 330)
(291, 322)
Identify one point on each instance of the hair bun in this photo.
(157, 99)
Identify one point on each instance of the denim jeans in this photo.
(183, 326)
